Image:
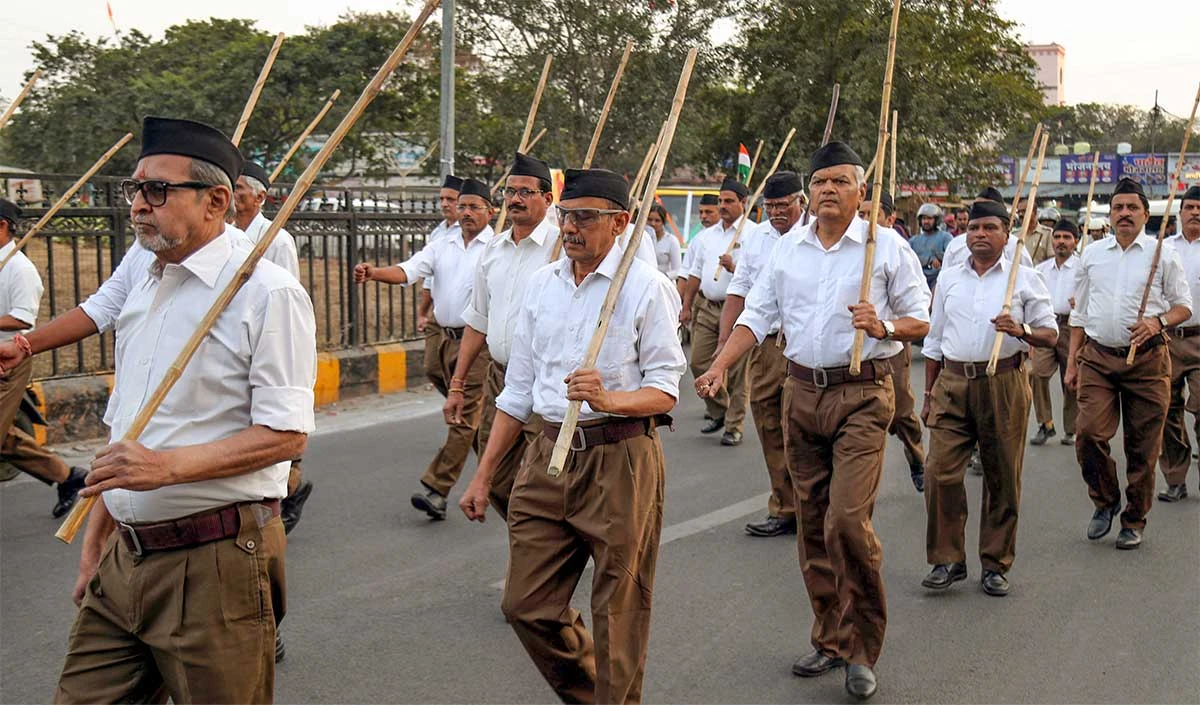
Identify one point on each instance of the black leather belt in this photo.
(609, 432)
(454, 333)
(1184, 331)
(971, 370)
(186, 532)
(1063, 319)
(823, 377)
(1124, 352)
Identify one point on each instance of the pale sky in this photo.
(1117, 52)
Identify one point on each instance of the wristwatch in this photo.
(1026, 331)
(889, 330)
(1162, 321)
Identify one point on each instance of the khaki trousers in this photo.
(607, 505)
(835, 438)
(461, 439)
(906, 425)
(730, 402)
(1137, 396)
(198, 622)
(432, 360)
(19, 448)
(1185, 372)
(767, 373)
(992, 412)
(1047, 361)
(506, 470)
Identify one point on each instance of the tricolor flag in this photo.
(743, 164)
(111, 19)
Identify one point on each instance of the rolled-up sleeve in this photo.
(420, 265)
(104, 306)
(25, 293)
(1037, 308)
(517, 398)
(747, 267)
(762, 304)
(476, 312)
(697, 252)
(1175, 287)
(283, 365)
(660, 355)
(1078, 317)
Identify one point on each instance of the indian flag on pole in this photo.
(743, 164)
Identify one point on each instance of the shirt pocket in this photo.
(618, 362)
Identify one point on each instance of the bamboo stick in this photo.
(1087, 214)
(1037, 136)
(75, 519)
(860, 336)
(66, 196)
(895, 137)
(608, 101)
(304, 135)
(754, 162)
(256, 91)
(12, 107)
(994, 358)
(635, 192)
(566, 432)
(737, 234)
(523, 144)
(1162, 230)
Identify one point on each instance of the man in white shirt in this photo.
(493, 311)
(957, 252)
(189, 511)
(451, 262)
(712, 270)
(837, 421)
(666, 245)
(964, 406)
(905, 424)
(20, 296)
(783, 200)
(249, 194)
(1184, 347)
(709, 215)
(1104, 325)
(448, 205)
(613, 479)
(1059, 275)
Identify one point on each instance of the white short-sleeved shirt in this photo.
(964, 304)
(443, 229)
(757, 244)
(667, 255)
(1060, 282)
(20, 290)
(256, 367)
(1189, 257)
(710, 244)
(557, 320)
(453, 262)
(811, 289)
(282, 250)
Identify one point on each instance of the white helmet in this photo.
(929, 209)
(1049, 214)
(1097, 223)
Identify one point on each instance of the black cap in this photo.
(709, 199)
(255, 171)
(989, 204)
(833, 154)
(191, 139)
(595, 183)
(1192, 194)
(9, 211)
(474, 187)
(782, 184)
(1128, 185)
(886, 204)
(524, 165)
(992, 194)
(452, 182)
(1068, 226)
(732, 184)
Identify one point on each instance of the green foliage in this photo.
(1103, 127)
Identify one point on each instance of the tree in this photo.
(1104, 127)
(96, 90)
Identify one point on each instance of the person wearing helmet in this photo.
(1097, 229)
(930, 242)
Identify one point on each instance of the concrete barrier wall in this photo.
(74, 407)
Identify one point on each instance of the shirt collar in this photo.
(1142, 239)
(205, 263)
(1002, 265)
(608, 266)
(538, 235)
(856, 231)
(483, 238)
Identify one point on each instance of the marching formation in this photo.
(556, 343)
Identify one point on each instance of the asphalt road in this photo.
(386, 606)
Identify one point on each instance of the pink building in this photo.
(1050, 59)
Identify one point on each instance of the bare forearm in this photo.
(71, 327)
(1177, 315)
(910, 329)
(690, 290)
(505, 430)
(1076, 345)
(8, 323)
(390, 275)
(1042, 338)
(734, 305)
(99, 525)
(472, 342)
(254, 448)
(425, 304)
(739, 343)
(646, 401)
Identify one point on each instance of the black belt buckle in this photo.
(137, 549)
(578, 440)
(820, 377)
(1179, 332)
(969, 370)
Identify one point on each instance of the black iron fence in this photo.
(86, 241)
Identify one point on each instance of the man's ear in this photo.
(219, 198)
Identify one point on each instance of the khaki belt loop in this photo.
(250, 532)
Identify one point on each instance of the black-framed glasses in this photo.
(155, 191)
(582, 217)
(522, 193)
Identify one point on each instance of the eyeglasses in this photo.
(154, 191)
(582, 217)
(780, 205)
(522, 193)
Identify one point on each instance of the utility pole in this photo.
(447, 103)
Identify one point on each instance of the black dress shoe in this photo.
(713, 425)
(944, 575)
(816, 663)
(975, 467)
(1129, 539)
(280, 652)
(1044, 433)
(68, 492)
(772, 526)
(994, 584)
(1173, 493)
(293, 505)
(1101, 522)
(731, 438)
(431, 503)
(1068, 439)
(917, 472)
(860, 681)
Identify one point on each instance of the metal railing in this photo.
(85, 242)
